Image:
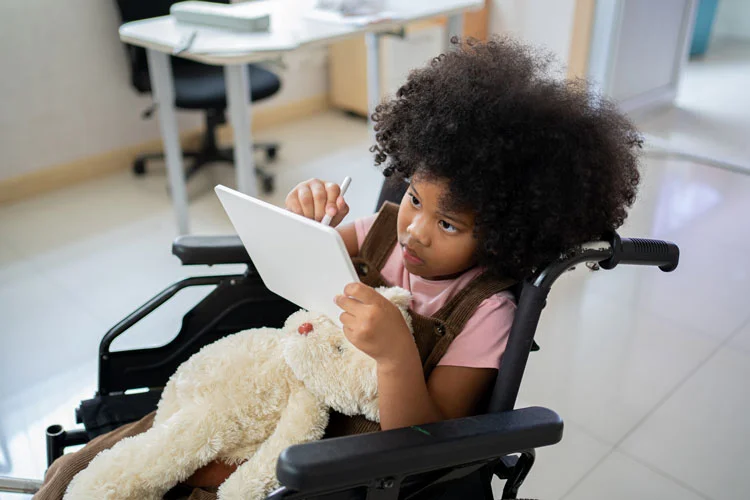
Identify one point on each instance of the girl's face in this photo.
(435, 243)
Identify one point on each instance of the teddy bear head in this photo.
(330, 366)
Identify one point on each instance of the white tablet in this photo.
(297, 258)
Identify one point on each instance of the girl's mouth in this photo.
(410, 256)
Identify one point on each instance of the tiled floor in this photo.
(647, 369)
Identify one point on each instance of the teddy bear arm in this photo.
(304, 419)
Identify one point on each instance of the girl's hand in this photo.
(374, 324)
(314, 198)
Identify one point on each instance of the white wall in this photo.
(638, 48)
(544, 23)
(65, 91)
(649, 47)
(732, 19)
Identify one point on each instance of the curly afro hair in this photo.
(544, 163)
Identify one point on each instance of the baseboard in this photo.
(77, 171)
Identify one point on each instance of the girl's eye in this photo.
(448, 227)
(414, 201)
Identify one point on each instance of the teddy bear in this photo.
(242, 399)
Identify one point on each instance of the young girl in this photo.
(508, 167)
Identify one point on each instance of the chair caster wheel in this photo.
(271, 153)
(268, 185)
(139, 167)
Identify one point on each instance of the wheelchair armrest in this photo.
(210, 250)
(357, 460)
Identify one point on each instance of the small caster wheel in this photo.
(139, 166)
(268, 185)
(271, 153)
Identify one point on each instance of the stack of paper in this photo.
(334, 17)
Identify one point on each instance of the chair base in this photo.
(211, 153)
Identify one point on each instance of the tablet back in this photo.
(299, 259)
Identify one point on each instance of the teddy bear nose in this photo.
(305, 328)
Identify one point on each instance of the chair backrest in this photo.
(135, 10)
(393, 190)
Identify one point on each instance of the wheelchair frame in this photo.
(401, 463)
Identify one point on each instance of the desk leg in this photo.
(455, 27)
(160, 70)
(238, 99)
(372, 42)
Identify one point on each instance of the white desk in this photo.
(290, 30)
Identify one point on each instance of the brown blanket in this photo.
(62, 471)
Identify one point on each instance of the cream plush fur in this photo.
(244, 398)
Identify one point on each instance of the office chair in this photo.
(197, 87)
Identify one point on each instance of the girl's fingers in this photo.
(332, 194)
(320, 198)
(348, 304)
(305, 197)
(314, 199)
(293, 204)
(360, 293)
(347, 319)
(342, 209)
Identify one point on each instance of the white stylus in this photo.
(344, 186)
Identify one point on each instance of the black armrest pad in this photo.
(210, 250)
(357, 460)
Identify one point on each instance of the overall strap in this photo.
(450, 320)
(377, 246)
(382, 236)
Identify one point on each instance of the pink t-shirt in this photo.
(482, 342)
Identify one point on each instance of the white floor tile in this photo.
(8, 253)
(697, 208)
(557, 468)
(604, 365)
(25, 415)
(63, 217)
(701, 435)
(43, 330)
(742, 339)
(619, 477)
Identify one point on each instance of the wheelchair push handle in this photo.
(645, 252)
(610, 252)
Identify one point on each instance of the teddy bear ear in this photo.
(397, 295)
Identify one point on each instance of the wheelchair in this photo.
(410, 463)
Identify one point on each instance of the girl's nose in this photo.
(418, 231)
(305, 328)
